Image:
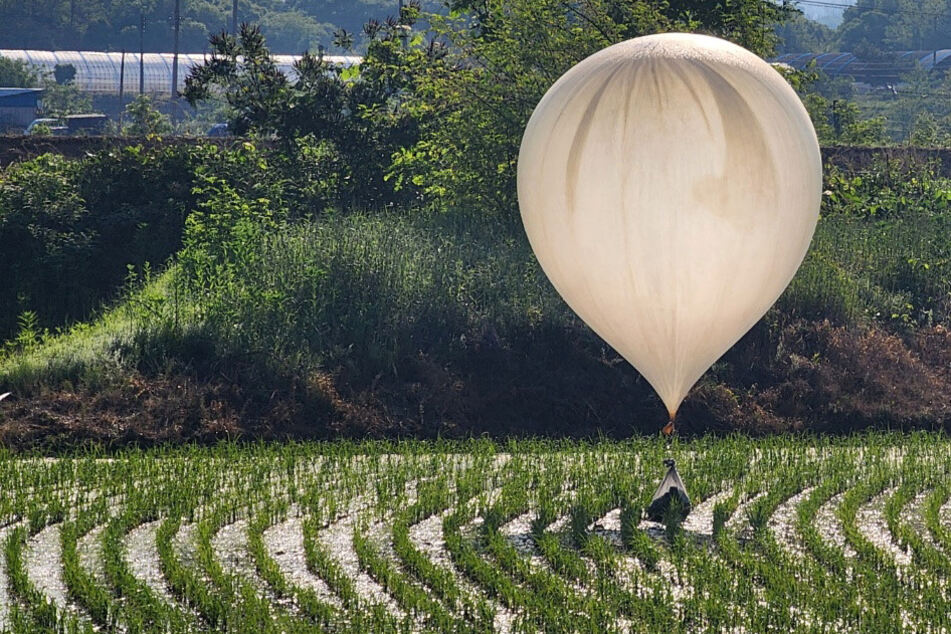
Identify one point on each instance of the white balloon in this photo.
(670, 186)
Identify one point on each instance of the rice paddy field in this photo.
(786, 534)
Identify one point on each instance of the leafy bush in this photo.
(18, 74)
(879, 253)
(432, 316)
(473, 102)
(442, 112)
(355, 111)
(72, 228)
(145, 119)
(361, 291)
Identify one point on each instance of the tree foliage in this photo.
(441, 111)
(474, 102)
(145, 119)
(18, 74)
(895, 25)
(64, 73)
(358, 113)
(60, 96)
(63, 99)
(291, 26)
(70, 227)
(799, 34)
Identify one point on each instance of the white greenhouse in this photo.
(100, 73)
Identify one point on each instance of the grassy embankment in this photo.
(275, 316)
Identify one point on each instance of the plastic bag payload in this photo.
(670, 186)
(670, 494)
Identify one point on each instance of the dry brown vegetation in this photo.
(806, 376)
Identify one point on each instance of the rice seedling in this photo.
(536, 535)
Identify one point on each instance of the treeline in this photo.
(438, 112)
(291, 26)
(874, 28)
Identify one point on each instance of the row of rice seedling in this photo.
(533, 536)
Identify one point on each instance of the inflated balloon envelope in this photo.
(670, 186)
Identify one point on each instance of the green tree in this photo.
(358, 112)
(290, 25)
(799, 34)
(895, 25)
(17, 74)
(841, 122)
(63, 99)
(243, 71)
(927, 132)
(866, 23)
(445, 113)
(917, 93)
(473, 103)
(294, 31)
(64, 73)
(145, 119)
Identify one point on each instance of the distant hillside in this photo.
(823, 13)
(291, 26)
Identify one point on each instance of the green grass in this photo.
(366, 292)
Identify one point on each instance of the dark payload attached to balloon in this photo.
(671, 495)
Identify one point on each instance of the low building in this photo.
(18, 107)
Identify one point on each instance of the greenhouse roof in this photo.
(98, 72)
